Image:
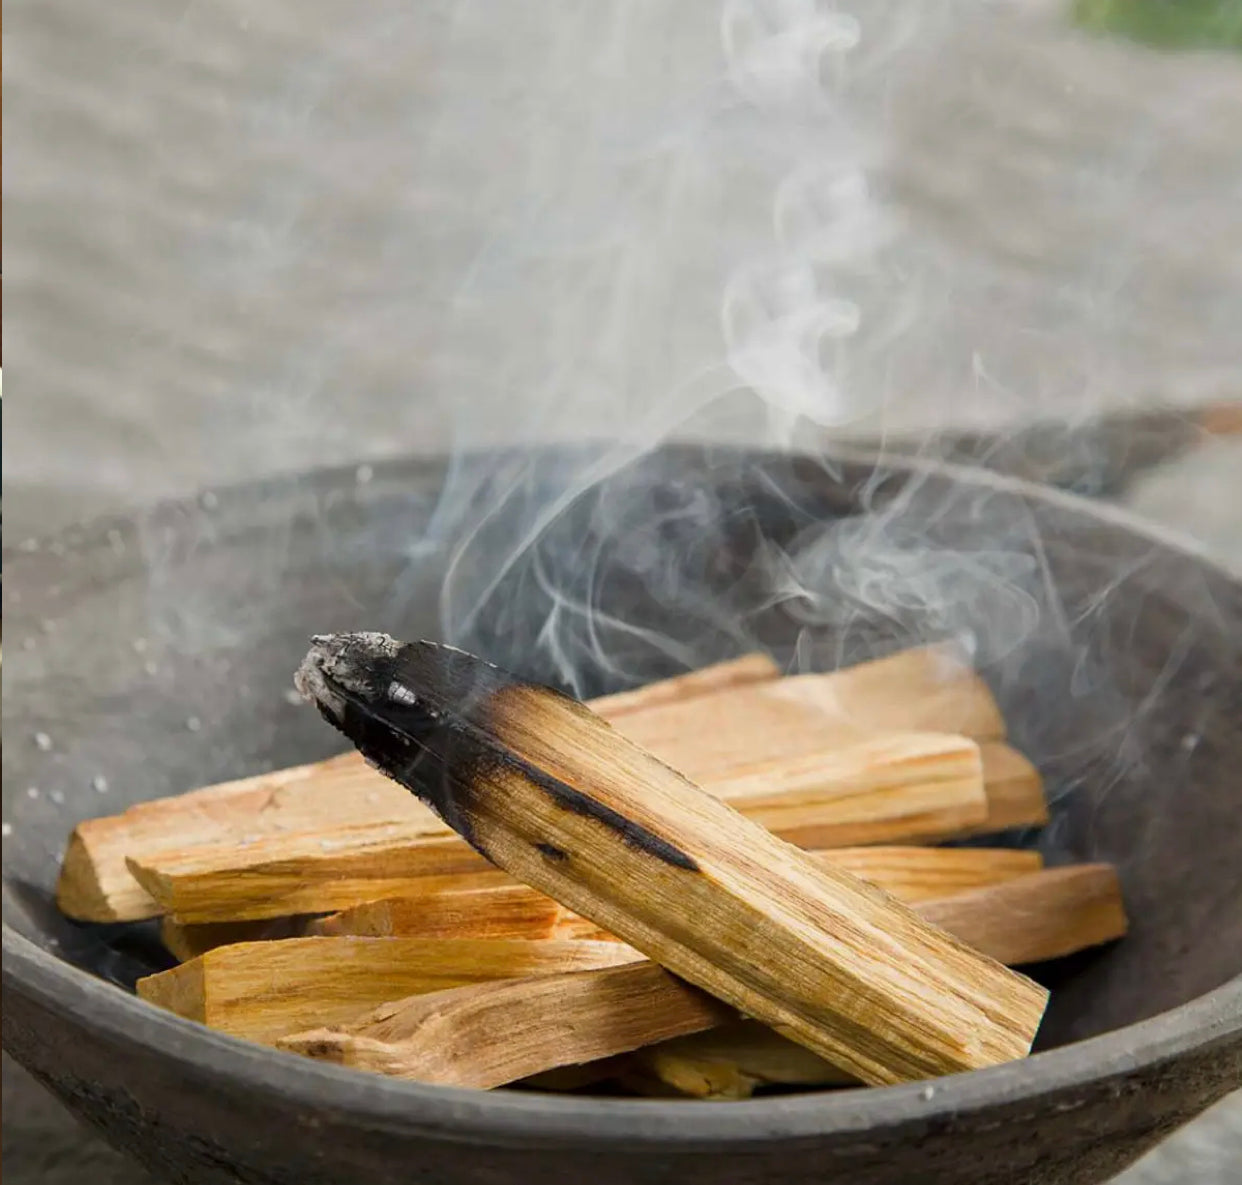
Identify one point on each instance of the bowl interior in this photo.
(151, 655)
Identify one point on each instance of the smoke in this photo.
(722, 261)
(770, 224)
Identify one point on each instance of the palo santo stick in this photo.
(499, 911)
(1014, 789)
(1034, 918)
(452, 1039)
(925, 690)
(914, 875)
(750, 668)
(562, 801)
(511, 910)
(96, 884)
(302, 873)
(730, 1062)
(264, 990)
(932, 874)
(518, 1028)
(904, 787)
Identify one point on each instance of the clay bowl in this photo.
(155, 653)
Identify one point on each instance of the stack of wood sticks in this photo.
(722, 883)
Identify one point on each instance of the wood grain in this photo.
(1042, 916)
(264, 990)
(518, 911)
(1014, 789)
(506, 1031)
(496, 911)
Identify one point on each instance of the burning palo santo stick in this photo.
(518, 911)
(264, 990)
(910, 787)
(1026, 920)
(451, 1038)
(556, 797)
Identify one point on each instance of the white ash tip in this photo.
(353, 663)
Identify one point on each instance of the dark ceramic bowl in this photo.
(155, 654)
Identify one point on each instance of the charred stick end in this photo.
(433, 718)
(411, 709)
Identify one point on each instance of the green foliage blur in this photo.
(1167, 24)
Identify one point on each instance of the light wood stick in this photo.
(500, 911)
(1026, 920)
(264, 990)
(908, 787)
(731, 1062)
(899, 788)
(466, 1040)
(513, 910)
(929, 689)
(750, 668)
(1014, 789)
(96, 884)
(515, 1029)
(932, 874)
(1034, 918)
(300, 873)
(562, 801)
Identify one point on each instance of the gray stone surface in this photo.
(243, 239)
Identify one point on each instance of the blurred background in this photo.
(244, 239)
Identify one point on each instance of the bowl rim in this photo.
(523, 1119)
